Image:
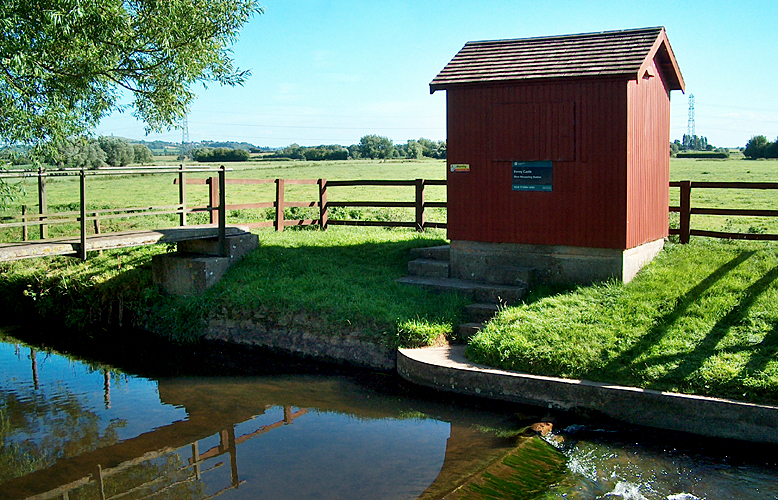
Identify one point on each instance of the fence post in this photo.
(420, 205)
(42, 208)
(280, 204)
(213, 197)
(223, 243)
(182, 195)
(82, 250)
(323, 204)
(686, 211)
(25, 233)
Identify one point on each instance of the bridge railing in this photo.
(324, 204)
(43, 219)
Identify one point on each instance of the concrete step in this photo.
(238, 245)
(430, 268)
(481, 312)
(440, 252)
(509, 275)
(477, 291)
(467, 330)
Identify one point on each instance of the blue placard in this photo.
(532, 176)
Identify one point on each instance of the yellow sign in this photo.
(460, 167)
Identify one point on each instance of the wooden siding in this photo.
(588, 204)
(648, 159)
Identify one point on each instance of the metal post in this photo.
(420, 205)
(82, 250)
(213, 197)
(42, 208)
(223, 249)
(686, 211)
(100, 485)
(196, 460)
(25, 232)
(182, 195)
(323, 204)
(279, 204)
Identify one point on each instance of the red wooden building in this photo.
(558, 153)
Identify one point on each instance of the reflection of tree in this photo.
(64, 426)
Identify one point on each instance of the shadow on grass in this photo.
(694, 360)
(624, 361)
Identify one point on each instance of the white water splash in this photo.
(627, 491)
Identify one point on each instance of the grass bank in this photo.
(701, 319)
(344, 278)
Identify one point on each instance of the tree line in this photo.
(369, 147)
(760, 147)
(85, 152)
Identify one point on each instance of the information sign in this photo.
(532, 175)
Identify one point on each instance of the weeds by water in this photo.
(341, 280)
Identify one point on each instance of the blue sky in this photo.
(329, 72)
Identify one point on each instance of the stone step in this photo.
(430, 268)
(481, 312)
(467, 330)
(509, 275)
(440, 252)
(477, 291)
(238, 245)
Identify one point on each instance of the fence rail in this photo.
(686, 210)
(217, 205)
(324, 205)
(43, 219)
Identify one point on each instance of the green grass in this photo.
(700, 319)
(341, 282)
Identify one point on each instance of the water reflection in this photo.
(78, 431)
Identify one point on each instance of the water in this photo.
(74, 430)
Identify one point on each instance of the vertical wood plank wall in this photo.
(588, 205)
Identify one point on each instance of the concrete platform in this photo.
(446, 368)
(107, 241)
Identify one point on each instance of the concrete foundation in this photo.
(197, 266)
(477, 261)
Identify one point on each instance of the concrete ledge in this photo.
(301, 336)
(475, 260)
(446, 368)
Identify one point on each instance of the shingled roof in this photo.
(625, 53)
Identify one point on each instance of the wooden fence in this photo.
(420, 222)
(686, 210)
(43, 218)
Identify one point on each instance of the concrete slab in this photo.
(479, 291)
(447, 369)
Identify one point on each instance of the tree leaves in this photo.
(64, 64)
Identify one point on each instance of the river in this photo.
(74, 429)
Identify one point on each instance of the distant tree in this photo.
(143, 154)
(118, 152)
(76, 152)
(756, 147)
(414, 150)
(353, 152)
(375, 146)
(220, 154)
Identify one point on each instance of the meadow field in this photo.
(159, 190)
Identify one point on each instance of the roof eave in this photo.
(674, 76)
